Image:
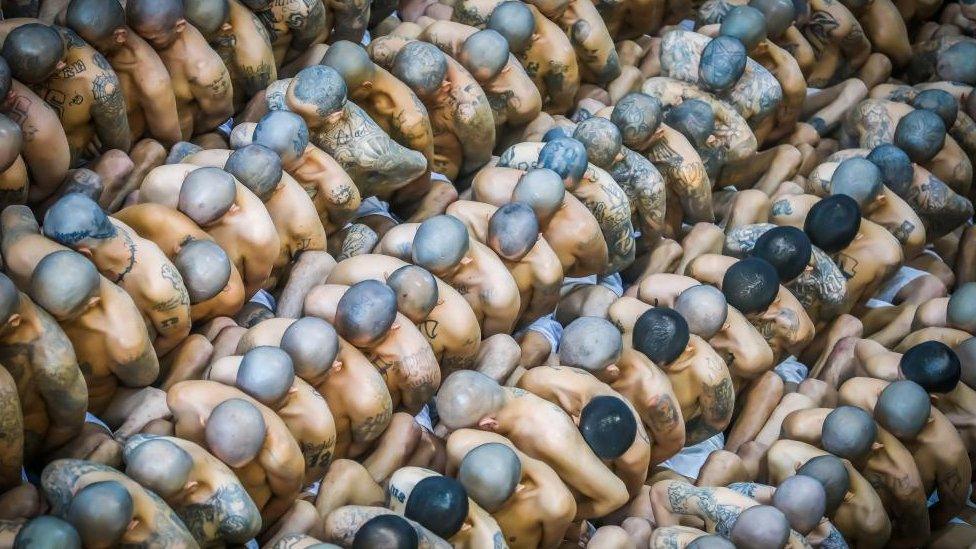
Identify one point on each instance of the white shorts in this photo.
(890, 288)
(792, 370)
(91, 418)
(374, 206)
(689, 460)
(549, 328)
(264, 298)
(612, 282)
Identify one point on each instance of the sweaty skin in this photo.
(244, 45)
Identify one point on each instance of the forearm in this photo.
(66, 400)
(108, 113)
(163, 120)
(141, 371)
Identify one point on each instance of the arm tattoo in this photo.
(109, 111)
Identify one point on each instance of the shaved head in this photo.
(832, 475)
(693, 119)
(896, 168)
(933, 365)
(47, 532)
(484, 54)
(704, 309)
(711, 541)
(317, 91)
(33, 52)
(745, 23)
(512, 231)
(903, 409)
(859, 179)
(760, 527)
(257, 167)
(803, 500)
(266, 374)
(601, 138)
(779, 15)
(751, 285)
(961, 312)
(235, 432)
(542, 189)
(787, 249)
(243, 134)
(9, 298)
(590, 343)
(958, 63)
(490, 473)
(966, 352)
(608, 426)
(366, 312)
(722, 63)
(351, 61)
(101, 512)
(439, 504)
(921, 134)
(313, 346)
(661, 334)
(95, 21)
(181, 150)
(160, 466)
(940, 102)
(833, 223)
(514, 21)
(386, 531)
(11, 140)
(849, 432)
(204, 267)
(566, 157)
(77, 222)
(421, 66)
(207, 15)
(155, 20)
(440, 243)
(466, 397)
(283, 132)
(63, 283)
(206, 195)
(637, 116)
(416, 291)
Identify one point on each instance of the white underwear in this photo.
(689, 460)
(375, 206)
(611, 282)
(877, 304)
(899, 280)
(91, 418)
(549, 328)
(264, 298)
(792, 370)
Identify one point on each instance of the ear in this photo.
(234, 208)
(120, 35)
(875, 446)
(396, 326)
(337, 365)
(292, 390)
(92, 301)
(488, 424)
(226, 27)
(85, 252)
(180, 26)
(445, 86)
(466, 260)
(14, 320)
(190, 486)
(848, 496)
(613, 371)
(132, 525)
(203, 422)
(711, 141)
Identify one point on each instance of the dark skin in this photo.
(294, 26)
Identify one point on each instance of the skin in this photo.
(551, 62)
(834, 34)
(244, 45)
(44, 147)
(294, 26)
(13, 431)
(342, 525)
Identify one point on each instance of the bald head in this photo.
(181, 150)
(63, 283)
(416, 291)
(512, 231)
(608, 426)
(33, 52)
(787, 249)
(484, 54)
(940, 102)
(601, 138)
(440, 243)
(266, 374)
(722, 63)
(9, 298)
(750, 285)
(77, 222)
(160, 466)
(466, 397)
(711, 541)
(490, 473)
(958, 63)
(637, 116)
(207, 15)
(933, 365)
(832, 475)
(694, 119)
(661, 334)
(317, 91)
(366, 312)
(832, 223)
(157, 21)
(859, 179)
(100, 512)
(849, 432)
(961, 312)
(421, 66)
(896, 167)
(802, 500)
(438, 503)
(704, 309)
(204, 267)
(257, 167)
(47, 532)
(903, 409)
(235, 432)
(11, 140)
(590, 343)
(283, 132)
(966, 352)
(351, 61)
(387, 531)
(760, 527)
(566, 157)
(779, 15)
(313, 346)
(206, 195)
(514, 21)
(95, 21)
(542, 190)
(920, 134)
(746, 24)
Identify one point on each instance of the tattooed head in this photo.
(661, 334)
(64, 283)
(779, 15)
(206, 195)
(933, 365)
(283, 132)
(97, 22)
(833, 222)
(514, 21)
(389, 531)
(711, 541)
(512, 231)
(416, 291)
(48, 532)
(313, 346)
(316, 93)
(439, 504)
(257, 167)
(760, 527)
(694, 119)
(920, 134)
(257, 5)
(77, 222)
(101, 513)
(351, 61)
(848, 433)
(484, 54)
(440, 244)
(11, 140)
(602, 140)
(859, 179)
(181, 150)
(961, 312)
(542, 190)
(204, 267)
(9, 299)
(750, 285)
(207, 15)
(745, 23)
(787, 249)
(704, 309)
(722, 63)
(242, 134)
(160, 466)
(608, 426)
(159, 22)
(637, 116)
(554, 132)
(266, 374)
(903, 409)
(83, 181)
(566, 157)
(490, 473)
(896, 168)
(958, 63)
(803, 500)
(34, 52)
(940, 102)
(832, 475)
(366, 312)
(422, 67)
(590, 343)
(467, 397)
(235, 432)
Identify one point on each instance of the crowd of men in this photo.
(615, 274)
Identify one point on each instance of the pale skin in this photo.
(343, 523)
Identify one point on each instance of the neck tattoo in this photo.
(132, 257)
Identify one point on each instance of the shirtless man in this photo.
(146, 85)
(204, 93)
(294, 26)
(469, 399)
(204, 492)
(137, 265)
(96, 121)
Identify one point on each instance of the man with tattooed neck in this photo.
(293, 26)
(204, 93)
